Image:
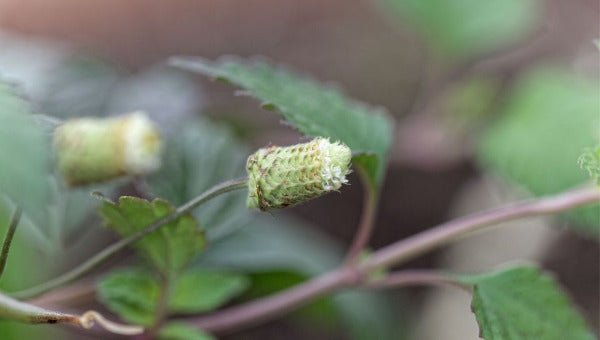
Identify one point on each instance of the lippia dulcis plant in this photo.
(169, 294)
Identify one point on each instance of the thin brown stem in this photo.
(367, 221)
(161, 307)
(445, 233)
(19, 311)
(239, 317)
(407, 278)
(10, 233)
(264, 309)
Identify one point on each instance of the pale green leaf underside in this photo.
(523, 303)
(548, 121)
(314, 109)
(24, 156)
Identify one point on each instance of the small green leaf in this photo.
(523, 303)
(182, 331)
(548, 120)
(464, 28)
(171, 247)
(132, 294)
(314, 109)
(590, 161)
(200, 290)
(24, 156)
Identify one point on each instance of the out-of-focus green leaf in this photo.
(201, 290)
(522, 303)
(286, 245)
(171, 247)
(465, 28)
(147, 90)
(590, 161)
(182, 331)
(314, 109)
(199, 156)
(548, 120)
(79, 85)
(133, 294)
(24, 156)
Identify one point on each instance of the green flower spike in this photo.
(92, 150)
(280, 177)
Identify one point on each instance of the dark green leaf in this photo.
(549, 119)
(523, 303)
(314, 109)
(285, 245)
(464, 28)
(201, 290)
(182, 331)
(24, 156)
(171, 247)
(132, 294)
(200, 155)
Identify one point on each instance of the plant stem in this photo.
(367, 221)
(444, 233)
(23, 312)
(239, 317)
(10, 233)
(252, 313)
(111, 250)
(416, 278)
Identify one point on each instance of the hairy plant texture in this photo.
(280, 177)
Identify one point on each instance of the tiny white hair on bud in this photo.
(331, 173)
(142, 145)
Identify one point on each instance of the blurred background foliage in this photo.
(489, 98)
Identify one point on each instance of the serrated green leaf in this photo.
(523, 303)
(201, 290)
(171, 247)
(464, 28)
(199, 156)
(314, 109)
(548, 120)
(24, 156)
(132, 294)
(182, 331)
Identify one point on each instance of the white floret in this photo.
(142, 144)
(332, 175)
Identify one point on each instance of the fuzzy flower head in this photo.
(92, 150)
(280, 177)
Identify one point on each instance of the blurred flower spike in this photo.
(91, 150)
(280, 177)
